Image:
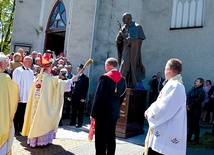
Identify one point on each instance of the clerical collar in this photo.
(24, 68)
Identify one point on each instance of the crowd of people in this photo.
(38, 86)
(199, 103)
(44, 86)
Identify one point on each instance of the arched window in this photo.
(58, 16)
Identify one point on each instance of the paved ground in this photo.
(73, 141)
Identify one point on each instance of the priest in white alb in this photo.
(167, 115)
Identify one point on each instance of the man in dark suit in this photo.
(106, 107)
(157, 85)
(9, 72)
(79, 94)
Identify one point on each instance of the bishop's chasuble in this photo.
(9, 96)
(44, 107)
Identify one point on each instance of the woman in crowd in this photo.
(206, 106)
(16, 61)
(211, 104)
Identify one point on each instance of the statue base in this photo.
(131, 121)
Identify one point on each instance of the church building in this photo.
(85, 29)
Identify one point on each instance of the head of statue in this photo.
(127, 18)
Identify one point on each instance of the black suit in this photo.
(9, 72)
(79, 92)
(156, 87)
(106, 110)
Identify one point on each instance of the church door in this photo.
(56, 29)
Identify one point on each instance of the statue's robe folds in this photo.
(129, 42)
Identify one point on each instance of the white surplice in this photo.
(168, 120)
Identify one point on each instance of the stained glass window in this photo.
(58, 16)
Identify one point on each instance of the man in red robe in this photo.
(106, 107)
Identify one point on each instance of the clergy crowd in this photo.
(35, 86)
(42, 86)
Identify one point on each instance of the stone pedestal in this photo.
(131, 121)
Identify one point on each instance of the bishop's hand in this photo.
(74, 78)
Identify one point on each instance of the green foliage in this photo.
(206, 141)
(7, 8)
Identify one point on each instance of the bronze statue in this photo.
(129, 42)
